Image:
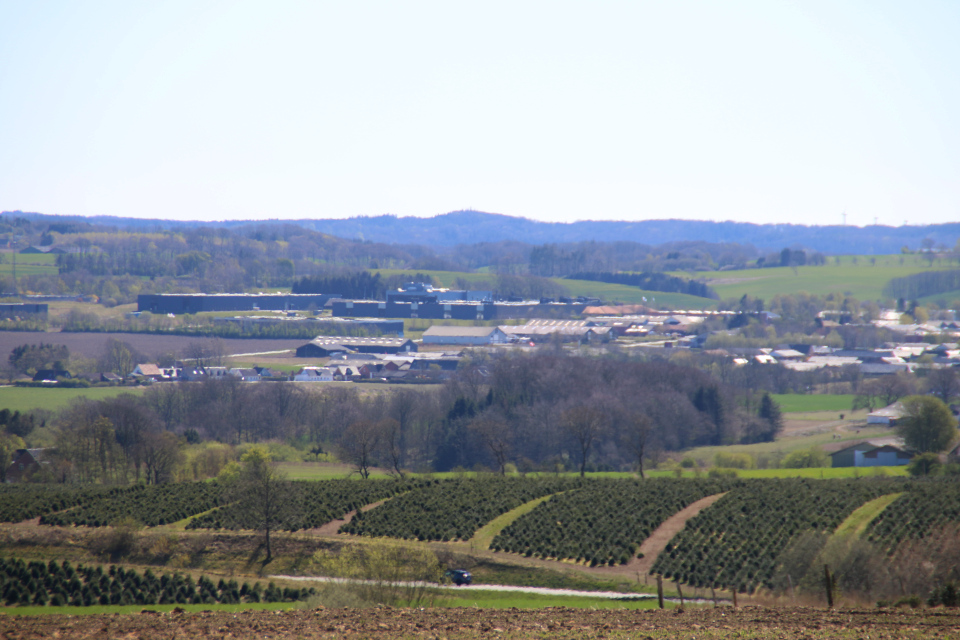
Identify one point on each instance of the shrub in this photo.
(806, 459)
(925, 464)
(734, 460)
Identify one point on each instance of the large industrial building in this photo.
(453, 310)
(425, 293)
(179, 303)
(21, 309)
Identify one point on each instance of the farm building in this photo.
(464, 335)
(421, 292)
(245, 375)
(887, 416)
(314, 374)
(21, 310)
(25, 462)
(51, 375)
(542, 330)
(324, 346)
(868, 454)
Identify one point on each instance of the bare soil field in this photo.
(91, 345)
(389, 623)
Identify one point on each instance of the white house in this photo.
(246, 375)
(887, 416)
(314, 374)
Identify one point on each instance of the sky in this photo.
(808, 112)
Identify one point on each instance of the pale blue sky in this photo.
(730, 110)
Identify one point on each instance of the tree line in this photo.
(541, 411)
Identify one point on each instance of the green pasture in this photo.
(52, 398)
(328, 471)
(858, 521)
(137, 608)
(864, 279)
(323, 471)
(805, 403)
(632, 295)
(786, 445)
(28, 264)
(605, 291)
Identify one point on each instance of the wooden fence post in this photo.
(734, 597)
(680, 591)
(828, 584)
(660, 590)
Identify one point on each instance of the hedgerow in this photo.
(736, 542)
(927, 505)
(317, 503)
(150, 505)
(452, 509)
(19, 502)
(35, 583)
(604, 522)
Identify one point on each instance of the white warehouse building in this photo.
(464, 335)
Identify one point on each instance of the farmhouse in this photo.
(464, 335)
(868, 454)
(51, 375)
(887, 416)
(245, 375)
(25, 462)
(314, 374)
(324, 346)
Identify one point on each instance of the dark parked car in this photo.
(459, 577)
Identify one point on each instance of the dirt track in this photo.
(387, 623)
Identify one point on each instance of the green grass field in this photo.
(632, 295)
(27, 398)
(322, 471)
(864, 280)
(862, 276)
(603, 290)
(802, 403)
(857, 522)
(28, 264)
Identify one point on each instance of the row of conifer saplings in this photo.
(35, 583)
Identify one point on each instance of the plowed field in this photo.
(386, 623)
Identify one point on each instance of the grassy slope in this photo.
(798, 402)
(28, 264)
(26, 398)
(611, 292)
(485, 534)
(857, 522)
(864, 280)
(633, 295)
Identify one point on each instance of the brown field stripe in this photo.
(654, 545)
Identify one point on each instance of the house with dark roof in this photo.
(324, 346)
(26, 462)
(868, 454)
(51, 375)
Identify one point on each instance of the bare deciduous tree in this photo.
(497, 436)
(583, 424)
(359, 445)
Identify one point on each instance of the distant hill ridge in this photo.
(470, 227)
